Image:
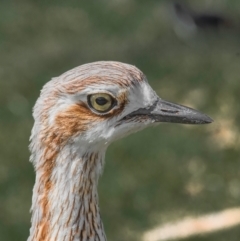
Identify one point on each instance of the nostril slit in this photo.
(170, 111)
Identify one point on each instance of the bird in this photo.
(77, 116)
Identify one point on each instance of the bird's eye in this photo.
(101, 102)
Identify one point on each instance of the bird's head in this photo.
(99, 102)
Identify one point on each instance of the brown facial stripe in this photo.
(79, 118)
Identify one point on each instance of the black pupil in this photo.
(101, 101)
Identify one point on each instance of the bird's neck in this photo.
(65, 199)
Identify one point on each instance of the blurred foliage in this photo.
(154, 176)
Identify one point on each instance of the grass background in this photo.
(151, 177)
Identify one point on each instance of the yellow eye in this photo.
(101, 102)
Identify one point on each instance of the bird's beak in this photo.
(164, 111)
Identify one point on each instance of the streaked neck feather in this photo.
(65, 199)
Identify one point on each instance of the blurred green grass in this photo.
(153, 176)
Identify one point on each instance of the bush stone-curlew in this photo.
(77, 116)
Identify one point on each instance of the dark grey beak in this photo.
(164, 111)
